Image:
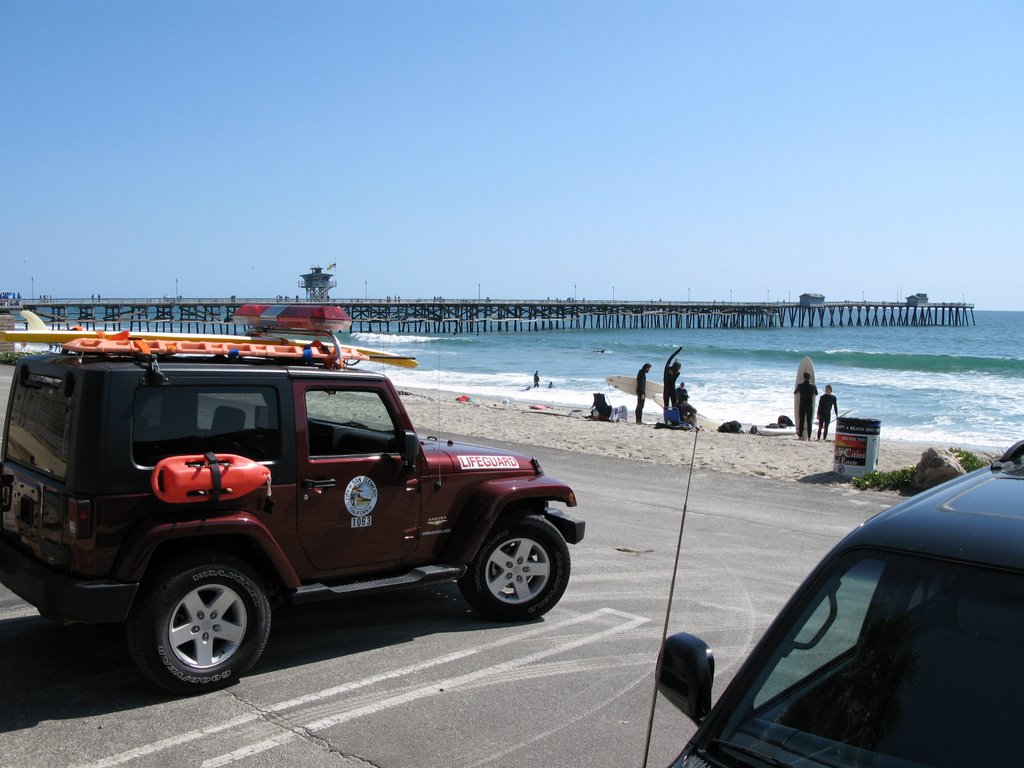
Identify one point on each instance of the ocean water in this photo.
(955, 386)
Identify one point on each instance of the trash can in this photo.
(856, 445)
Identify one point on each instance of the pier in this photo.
(475, 316)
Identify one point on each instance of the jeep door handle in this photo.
(319, 485)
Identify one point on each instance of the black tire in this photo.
(222, 616)
(519, 573)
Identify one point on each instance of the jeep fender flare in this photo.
(491, 499)
(143, 542)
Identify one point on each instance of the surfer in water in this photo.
(826, 405)
(641, 391)
(807, 392)
(669, 382)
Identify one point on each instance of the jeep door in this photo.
(358, 510)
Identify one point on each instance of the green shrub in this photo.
(10, 358)
(969, 461)
(899, 479)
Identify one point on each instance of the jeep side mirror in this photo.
(687, 672)
(410, 450)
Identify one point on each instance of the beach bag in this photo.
(731, 426)
(620, 413)
(671, 415)
(784, 421)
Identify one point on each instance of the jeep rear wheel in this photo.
(519, 573)
(202, 620)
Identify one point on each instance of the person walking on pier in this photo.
(807, 392)
(668, 397)
(826, 405)
(641, 391)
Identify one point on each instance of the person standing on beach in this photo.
(641, 392)
(536, 379)
(807, 392)
(669, 380)
(826, 405)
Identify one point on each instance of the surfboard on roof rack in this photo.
(308, 321)
(316, 351)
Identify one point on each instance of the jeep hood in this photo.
(449, 457)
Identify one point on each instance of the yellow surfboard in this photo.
(38, 332)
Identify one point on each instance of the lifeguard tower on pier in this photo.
(318, 283)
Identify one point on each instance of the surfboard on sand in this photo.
(627, 384)
(38, 332)
(806, 366)
(773, 430)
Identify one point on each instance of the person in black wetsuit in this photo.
(641, 392)
(826, 405)
(669, 380)
(686, 411)
(807, 392)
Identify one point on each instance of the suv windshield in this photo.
(885, 665)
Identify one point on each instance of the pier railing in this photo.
(472, 316)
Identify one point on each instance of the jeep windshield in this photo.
(888, 663)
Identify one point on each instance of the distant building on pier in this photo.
(811, 299)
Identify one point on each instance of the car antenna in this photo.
(668, 607)
(437, 482)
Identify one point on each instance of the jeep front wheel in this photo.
(519, 573)
(202, 620)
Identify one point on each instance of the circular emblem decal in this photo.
(360, 496)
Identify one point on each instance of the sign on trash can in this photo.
(856, 445)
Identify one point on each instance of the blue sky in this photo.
(703, 150)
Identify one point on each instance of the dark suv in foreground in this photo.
(903, 648)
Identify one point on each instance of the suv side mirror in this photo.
(687, 672)
(410, 450)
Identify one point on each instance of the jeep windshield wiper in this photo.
(750, 752)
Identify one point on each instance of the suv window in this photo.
(40, 425)
(347, 422)
(883, 666)
(172, 421)
(828, 632)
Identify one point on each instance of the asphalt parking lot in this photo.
(418, 680)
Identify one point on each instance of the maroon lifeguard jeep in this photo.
(121, 502)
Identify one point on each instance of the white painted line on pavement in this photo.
(412, 669)
(184, 738)
(433, 689)
(172, 741)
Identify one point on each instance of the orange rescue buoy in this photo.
(207, 477)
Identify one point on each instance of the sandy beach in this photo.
(439, 413)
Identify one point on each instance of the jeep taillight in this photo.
(6, 492)
(79, 517)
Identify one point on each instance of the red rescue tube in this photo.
(209, 477)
